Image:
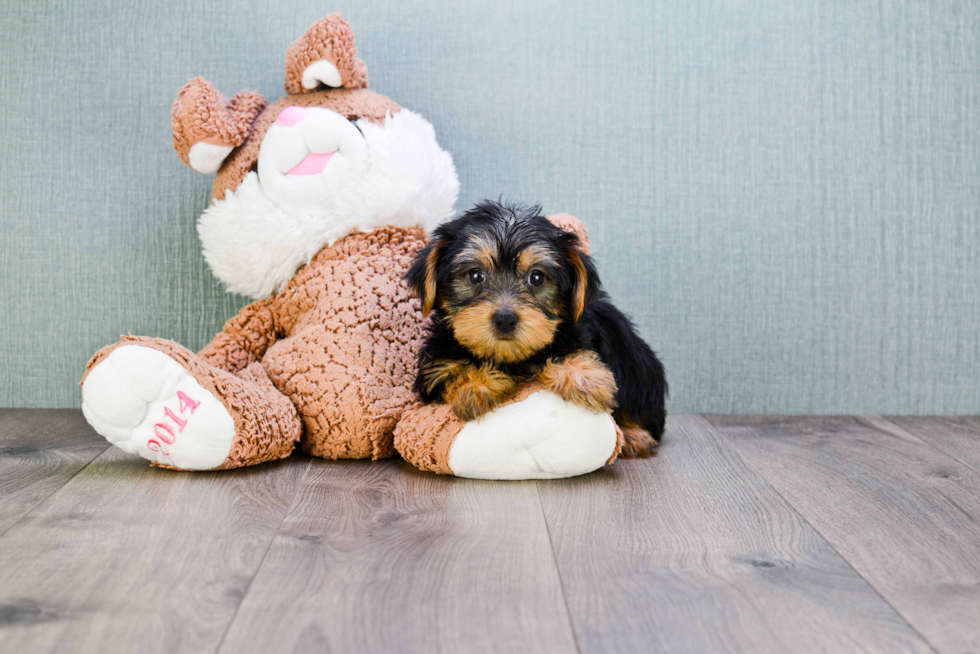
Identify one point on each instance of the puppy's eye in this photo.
(536, 278)
(476, 277)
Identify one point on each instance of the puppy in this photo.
(513, 299)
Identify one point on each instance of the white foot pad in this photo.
(207, 157)
(145, 403)
(540, 437)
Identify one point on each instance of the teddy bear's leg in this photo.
(154, 398)
(536, 435)
(350, 388)
(325, 55)
(207, 127)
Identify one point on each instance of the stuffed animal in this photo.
(320, 201)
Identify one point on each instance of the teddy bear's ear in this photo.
(572, 224)
(207, 127)
(325, 56)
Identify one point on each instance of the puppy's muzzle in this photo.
(505, 322)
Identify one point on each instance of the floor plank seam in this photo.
(292, 505)
(796, 511)
(54, 492)
(914, 435)
(554, 559)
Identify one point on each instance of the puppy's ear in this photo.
(422, 275)
(586, 285)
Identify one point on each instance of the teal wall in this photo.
(784, 194)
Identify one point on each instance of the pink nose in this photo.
(291, 116)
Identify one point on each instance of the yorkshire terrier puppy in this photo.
(515, 299)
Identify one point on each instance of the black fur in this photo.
(601, 328)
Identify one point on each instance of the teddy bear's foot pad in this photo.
(540, 437)
(145, 403)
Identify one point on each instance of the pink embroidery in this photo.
(181, 423)
(165, 432)
(158, 448)
(186, 401)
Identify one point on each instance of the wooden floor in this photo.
(743, 535)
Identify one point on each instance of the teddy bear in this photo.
(321, 200)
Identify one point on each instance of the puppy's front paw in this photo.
(582, 379)
(477, 391)
(471, 402)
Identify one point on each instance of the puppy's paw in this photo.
(637, 443)
(583, 379)
(476, 391)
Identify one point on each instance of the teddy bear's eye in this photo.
(476, 277)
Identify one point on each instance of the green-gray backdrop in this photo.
(784, 194)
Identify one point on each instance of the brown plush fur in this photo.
(329, 38)
(201, 114)
(266, 424)
(334, 352)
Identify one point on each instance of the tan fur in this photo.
(425, 434)
(473, 328)
(531, 257)
(475, 391)
(430, 279)
(583, 379)
(578, 295)
(478, 250)
(439, 372)
(637, 442)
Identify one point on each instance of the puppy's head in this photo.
(505, 278)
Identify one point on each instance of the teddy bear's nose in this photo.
(291, 116)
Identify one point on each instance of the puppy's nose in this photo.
(505, 321)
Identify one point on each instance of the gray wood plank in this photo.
(127, 558)
(379, 557)
(905, 515)
(40, 450)
(692, 551)
(957, 436)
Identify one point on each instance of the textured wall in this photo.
(785, 194)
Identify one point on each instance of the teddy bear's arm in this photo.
(244, 338)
